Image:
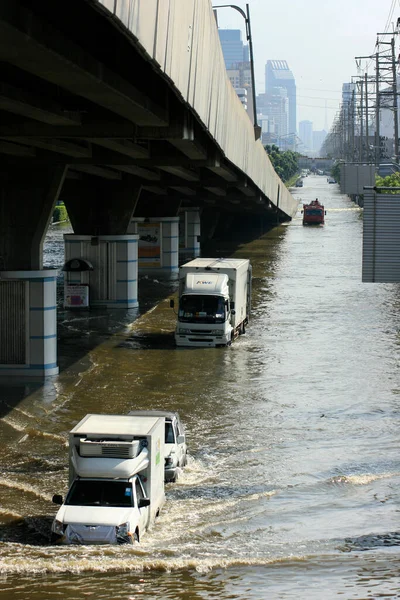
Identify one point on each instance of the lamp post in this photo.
(246, 16)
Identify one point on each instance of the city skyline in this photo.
(318, 43)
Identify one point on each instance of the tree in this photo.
(286, 164)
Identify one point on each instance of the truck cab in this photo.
(101, 511)
(175, 441)
(204, 314)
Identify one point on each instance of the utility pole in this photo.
(353, 111)
(377, 113)
(366, 117)
(377, 108)
(395, 106)
(360, 145)
(391, 62)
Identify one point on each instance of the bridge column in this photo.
(113, 282)
(100, 212)
(99, 207)
(28, 323)
(209, 223)
(28, 337)
(27, 200)
(190, 233)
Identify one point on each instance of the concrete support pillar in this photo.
(169, 244)
(114, 281)
(190, 230)
(209, 222)
(27, 200)
(158, 244)
(100, 207)
(28, 323)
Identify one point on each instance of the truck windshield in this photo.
(100, 493)
(202, 309)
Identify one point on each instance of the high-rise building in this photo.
(278, 74)
(275, 106)
(306, 134)
(318, 140)
(236, 57)
(233, 48)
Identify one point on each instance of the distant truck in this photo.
(214, 301)
(116, 478)
(175, 441)
(314, 213)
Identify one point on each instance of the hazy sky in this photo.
(319, 39)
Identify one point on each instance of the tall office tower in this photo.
(275, 106)
(278, 74)
(236, 56)
(233, 48)
(318, 140)
(306, 134)
(349, 102)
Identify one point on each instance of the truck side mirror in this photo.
(57, 499)
(144, 502)
(172, 304)
(180, 439)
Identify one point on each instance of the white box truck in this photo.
(214, 301)
(116, 478)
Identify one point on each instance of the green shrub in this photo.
(60, 213)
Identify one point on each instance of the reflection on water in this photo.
(292, 487)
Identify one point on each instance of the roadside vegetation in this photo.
(335, 172)
(286, 164)
(60, 213)
(392, 180)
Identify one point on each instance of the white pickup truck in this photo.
(116, 468)
(175, 441)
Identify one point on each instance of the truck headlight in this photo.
(123, 530)
(58, 527)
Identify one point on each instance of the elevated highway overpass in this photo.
(123, 109)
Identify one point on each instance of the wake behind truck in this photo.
(116, 478)
(214, 301)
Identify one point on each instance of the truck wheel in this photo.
(136, 537)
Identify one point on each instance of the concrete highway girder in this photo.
(102, 115)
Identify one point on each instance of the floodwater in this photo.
(292, 487)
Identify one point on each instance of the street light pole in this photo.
(246, 16)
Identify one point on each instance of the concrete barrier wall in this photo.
(181, 36)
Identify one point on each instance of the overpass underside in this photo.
(123, 110)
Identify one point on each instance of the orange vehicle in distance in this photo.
(314, 213)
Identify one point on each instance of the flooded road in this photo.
(292, 487)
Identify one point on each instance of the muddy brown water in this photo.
(292, 487)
